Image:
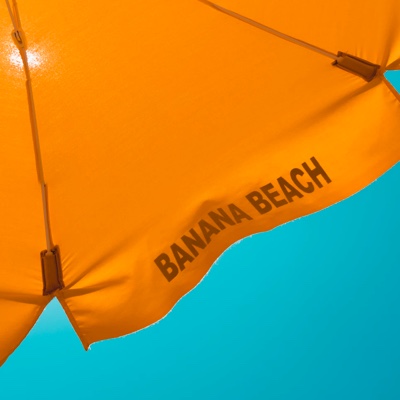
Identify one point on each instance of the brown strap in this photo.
(51, 270)
(357, 66)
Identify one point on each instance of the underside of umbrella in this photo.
(142, 139)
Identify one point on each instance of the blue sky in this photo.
(320, 321)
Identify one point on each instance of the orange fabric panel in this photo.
(169, 131)
(18, 315)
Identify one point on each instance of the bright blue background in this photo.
(309, 311)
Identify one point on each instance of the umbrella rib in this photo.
(344, 61)
(11, 15)
(20, 41)
(272, 31)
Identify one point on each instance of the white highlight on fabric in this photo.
(35, 59)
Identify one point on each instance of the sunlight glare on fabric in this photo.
(35, 58)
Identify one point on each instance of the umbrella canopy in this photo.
(164, 132)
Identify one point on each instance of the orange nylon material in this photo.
(170, 130)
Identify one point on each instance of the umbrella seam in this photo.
(20, 42)
(272, 31)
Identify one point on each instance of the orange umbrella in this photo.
(163, 132)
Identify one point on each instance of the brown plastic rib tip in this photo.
(356, 66)
(51, 270)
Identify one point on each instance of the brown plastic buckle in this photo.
(51, 270)
(356, 66)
